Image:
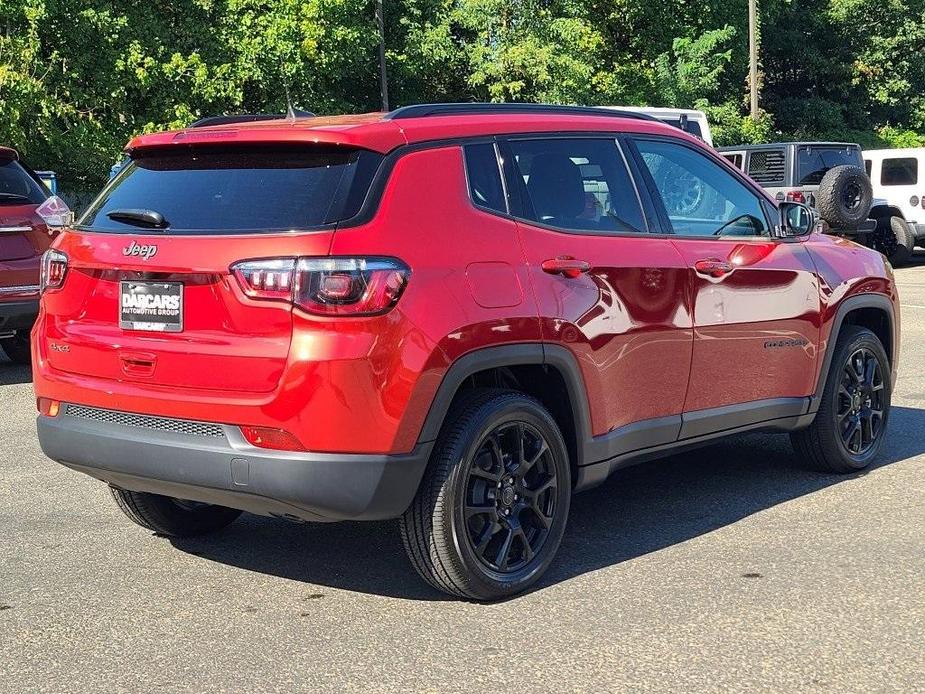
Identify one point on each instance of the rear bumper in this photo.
(18, 315)
(222, 468)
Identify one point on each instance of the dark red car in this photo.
(29, 218)
(455, 315)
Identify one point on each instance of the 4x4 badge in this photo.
(144, 252)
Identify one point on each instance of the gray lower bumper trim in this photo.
(229, 472)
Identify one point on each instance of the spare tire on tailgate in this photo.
(845, 196)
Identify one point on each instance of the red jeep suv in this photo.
(29, 219)
(452, 314)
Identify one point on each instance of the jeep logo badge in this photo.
(143, 252)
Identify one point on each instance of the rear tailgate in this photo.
(160, 305)
(226, 341)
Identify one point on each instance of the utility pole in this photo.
(383, 78)
(753, 56)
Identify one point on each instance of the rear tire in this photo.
(491, 510)
(172, 517)
(847, 435)
(17, 348)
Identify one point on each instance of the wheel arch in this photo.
(871, 311)
(549, 373)
(883, 209)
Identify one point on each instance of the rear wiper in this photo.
(139, 218)
(13, 197)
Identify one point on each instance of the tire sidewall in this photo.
(861, 338)
(496, 413)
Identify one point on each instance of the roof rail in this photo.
(427, 110)
(246, 118)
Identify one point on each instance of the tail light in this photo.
(796, 196)
(326, 286)
(54, 268)
(55, 213)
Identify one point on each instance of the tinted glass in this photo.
(17, 187)
(580, 184)
(691, 126)
(242, 189)
(814, 162)
(484, 177)
(735, 160)
(899, 172)
(868, 166)
(700, 196)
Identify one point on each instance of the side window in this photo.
(899, 172)
(578, 184)
(484, 177)
(868, 166)
(700, 196)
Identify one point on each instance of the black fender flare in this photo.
(887, 210)
(521, 354)
(852, 303)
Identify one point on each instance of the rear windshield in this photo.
(238, 190)
(17, 187)
(814, 162)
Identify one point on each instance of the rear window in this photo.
(17, 187)
(814, 162)
(899, 172)
(239, 190)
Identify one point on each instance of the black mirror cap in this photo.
(796, 220)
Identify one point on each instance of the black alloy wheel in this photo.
(510, 497)
(849, 428)
(860, 411)
(852, 196)
(490, 513)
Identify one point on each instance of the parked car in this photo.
(456, 315)
(830, 177)
(898, 177)
(29, 219)
(687, 119)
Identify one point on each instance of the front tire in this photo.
(848, 431)
(17, 348)
(172, 517)
(492, 507)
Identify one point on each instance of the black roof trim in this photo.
(246, 118)
(477, 108)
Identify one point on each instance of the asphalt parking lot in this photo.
(729, 568)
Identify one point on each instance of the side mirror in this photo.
(795, 220)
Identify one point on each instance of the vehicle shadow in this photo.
(637, 511)
(13, 374)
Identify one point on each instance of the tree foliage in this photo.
(78, 78)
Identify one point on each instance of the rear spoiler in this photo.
(8, 154)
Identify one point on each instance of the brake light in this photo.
(55, 213)
(54, 268)
(275, 439)
(326, 286)
(796, 196)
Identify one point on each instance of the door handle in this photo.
(566, 266)
(713, 267)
